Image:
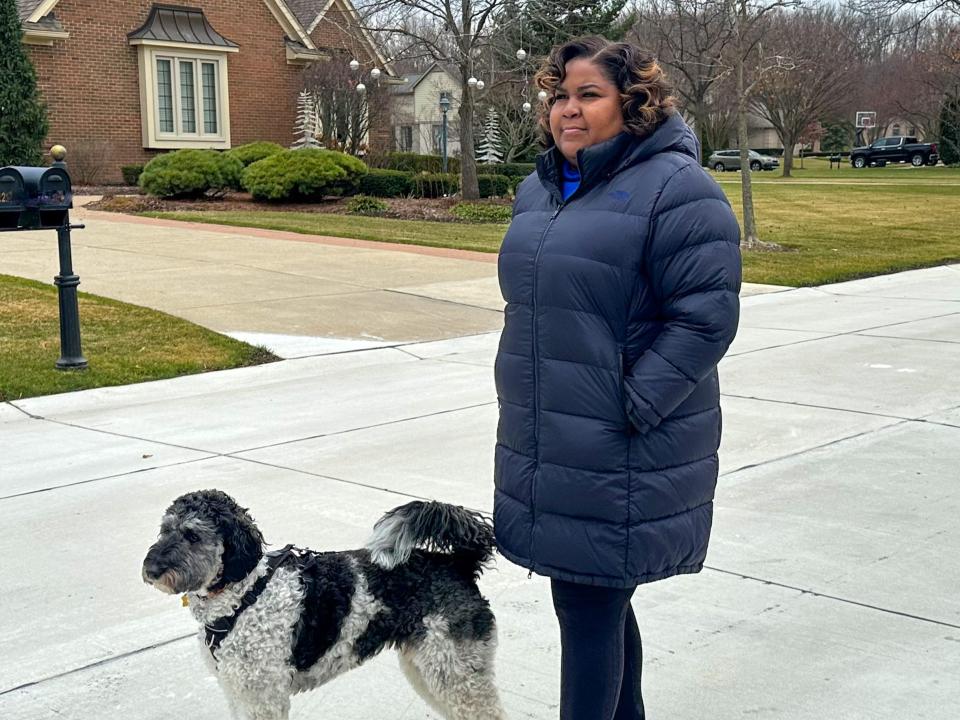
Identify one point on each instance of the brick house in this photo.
(125, 79)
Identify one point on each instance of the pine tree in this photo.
(23, 119)
(489, 150)
(950, 131)
(546, 23)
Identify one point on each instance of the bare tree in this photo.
(453, 32)
(345, 115)
(825, 72)
(690, 38)
(750, 21)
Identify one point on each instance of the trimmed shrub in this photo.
(353, 167)
(385, 183)
(508, 169)
(416, 163)
(493, 185)
(306, 174)
(190, 174)
(131, 174)
(434, 185)
(481, 213)
(251, 152)
(365, 205)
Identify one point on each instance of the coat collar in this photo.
(604, 160)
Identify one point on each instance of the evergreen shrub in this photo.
(251, 152)
(131, 174)
(493, 185)
(190, 173)
(366, 205)
(482, 213)
(427, 185)
(306, 174)
(385, 183)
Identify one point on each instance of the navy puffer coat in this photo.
(620, 303)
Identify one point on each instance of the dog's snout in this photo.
(153, 566)
(152, 569)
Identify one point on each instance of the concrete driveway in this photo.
(831, 586)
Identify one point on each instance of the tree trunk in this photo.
(468, 159)
(788, 158)
(750, 238)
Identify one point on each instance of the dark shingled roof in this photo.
(25, 8)
(305, 11)
(179, 24)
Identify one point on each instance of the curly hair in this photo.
(645, 93)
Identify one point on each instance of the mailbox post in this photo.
(34, 198)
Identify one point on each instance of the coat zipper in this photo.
(536, 369)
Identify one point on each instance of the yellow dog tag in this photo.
(185, 601)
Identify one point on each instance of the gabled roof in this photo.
(31, 11)
(25, 8)
(411, 80)
(311, 12)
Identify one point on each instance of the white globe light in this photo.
(526, 107)
(375, 73)
(361, 88)
(480, 85)
(354, 65)
(542, 95)
(521, 54)
(472, 82)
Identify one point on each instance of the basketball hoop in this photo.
(866, 120)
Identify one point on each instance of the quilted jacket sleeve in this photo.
(693, 266)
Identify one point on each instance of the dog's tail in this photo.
(434, 526)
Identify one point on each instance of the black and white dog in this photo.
(276, 624)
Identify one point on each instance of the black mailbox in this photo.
(34, 197)
(13, 197)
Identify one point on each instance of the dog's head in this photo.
(206, 541)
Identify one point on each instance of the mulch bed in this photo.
(436, 209)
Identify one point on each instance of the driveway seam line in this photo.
(814, 593)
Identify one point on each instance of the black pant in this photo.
(601, 655)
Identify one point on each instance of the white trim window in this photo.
(184, 98)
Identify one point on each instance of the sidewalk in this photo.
(831, 586)
(297, 294)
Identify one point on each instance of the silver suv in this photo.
(730, 160)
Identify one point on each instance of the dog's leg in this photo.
(255, 692)
(457, 673)
(419, 683)
(248, 704)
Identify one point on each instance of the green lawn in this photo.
(819, 169)
(842, 225)
(484, 237)
(122, 343)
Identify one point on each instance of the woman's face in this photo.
(586, 109)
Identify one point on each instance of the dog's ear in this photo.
(242, 544)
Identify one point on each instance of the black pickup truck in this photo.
(899, 148)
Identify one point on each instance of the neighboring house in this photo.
(416, 116)
(124, 79)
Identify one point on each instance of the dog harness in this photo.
(219, 629)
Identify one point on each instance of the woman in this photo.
(621, 270)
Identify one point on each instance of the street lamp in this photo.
(444, 107)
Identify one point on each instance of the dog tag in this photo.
(185, 601)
